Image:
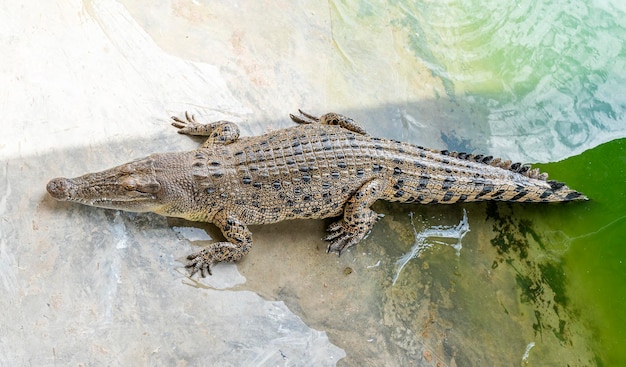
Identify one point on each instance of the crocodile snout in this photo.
(59, 188)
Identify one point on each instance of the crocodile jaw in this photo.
(132, 186)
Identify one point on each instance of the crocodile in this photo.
(322, 167)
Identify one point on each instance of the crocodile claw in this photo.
(304, 118)
(187, 125)
(342, 235)
(199, 262)
(341, 238)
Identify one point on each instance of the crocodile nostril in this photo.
(58, 188)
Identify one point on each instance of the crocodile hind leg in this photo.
(330, 118)
(239, 242)
(219, 132)
(358, 219)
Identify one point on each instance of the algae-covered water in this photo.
(593, 236)
(537, 82)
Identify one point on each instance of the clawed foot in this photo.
(305, 119)
(200, 261)
(342, 235)
(331, 118)
(186, 126)
(218, 252)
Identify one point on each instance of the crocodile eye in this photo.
(129, 183)
(150, 188)
(140, 185)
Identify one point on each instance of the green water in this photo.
(545, 82)
(596, 259)
(553, 76)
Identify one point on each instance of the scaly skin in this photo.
(321, 168)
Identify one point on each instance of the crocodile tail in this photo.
(517, 167)
(558, 191)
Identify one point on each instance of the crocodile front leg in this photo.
(331, 118)
(239, 242)
(219, 132)
(358, 218)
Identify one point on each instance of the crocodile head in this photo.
(139, 186)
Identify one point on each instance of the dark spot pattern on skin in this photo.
(462, 198)
(257, 185)
(447, 183)
(246, 180)
(218, 174)
(398, 184)
(376, 168)
(359, 173)
(486, 190)
(573, 195)
(545, 194)
(276, 185)
(519, 195)
(498, 194)
(306, 178)
(399, 193)
(334, 174)
(397, 170)
(555, 185)
(447, 196)
(342, 165)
